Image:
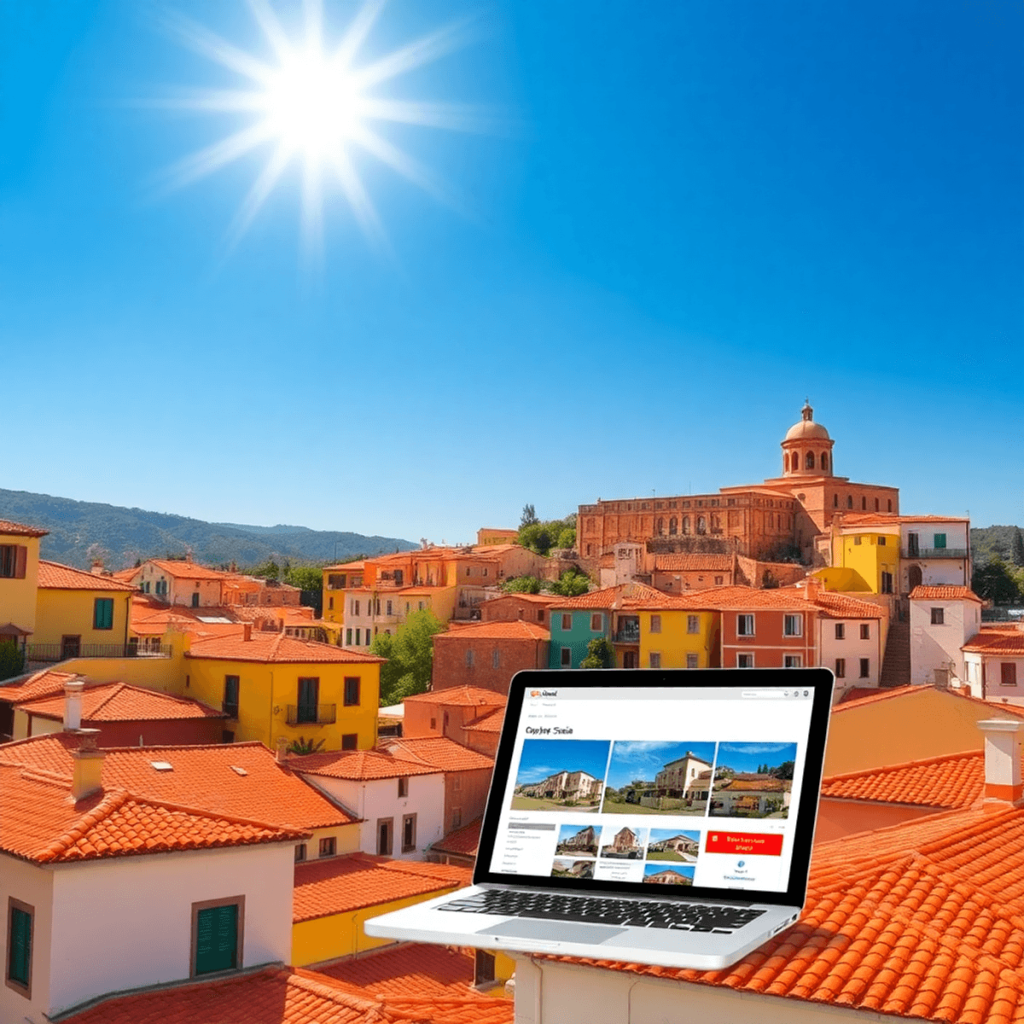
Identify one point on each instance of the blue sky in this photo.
(683, 219)
(643, 759)
(542, 758)
(748, 757)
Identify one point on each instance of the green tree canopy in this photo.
(542, 536)
(529, 516)
(410, 654)
(268, 570)
(1017, 547)
(12, 660)
(521, 585)
(310, 580)
(600, 654)
(996, 582)
(571, 583)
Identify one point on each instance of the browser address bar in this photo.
(765, 693)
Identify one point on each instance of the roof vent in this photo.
(162, 766)
(238, 771)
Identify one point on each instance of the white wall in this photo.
(994, 689)
(379, 799)
(32, 885)
(124, 922)
(852, 648)
(932, 646)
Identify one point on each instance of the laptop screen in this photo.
(689, 781)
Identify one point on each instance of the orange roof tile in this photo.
(119, 702)
(463, 841)
(358, 765)
(490, 721)
(338, 885)
(944, 593)
(201, 777)
(460, 696)
(532, 598)
(518, 629)
(693, 563)
(611, 597)
(38, 684)
(20, 530)
(1007, 640)
(54, 576)
(275, 648)
(186, 570)
(38, 822)
(843, 606)
(911, 690)
(887, 518)
(440, 752)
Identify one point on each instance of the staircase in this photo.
(896, 659)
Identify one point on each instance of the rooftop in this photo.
(944, 593)
(20, 529)
(611, 597)
(119, 702)
(1008, 640)
(274, 648)
(489, 721)
(693, 563)
(37, 684)
(518, 629)
(460, 696)
(360, 765)
(887, 519)
(439, 752)
(463, 842)
(54, 576)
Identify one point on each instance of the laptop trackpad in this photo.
(554, 931)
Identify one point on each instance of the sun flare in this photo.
(314, 105)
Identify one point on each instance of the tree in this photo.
(410, 654)
(305, 745)
(310, 580)
(1017, 547)
(529, 516)
(783, 771)
(566, 538)
(571, 583)
(521, 585)
(995, 582)
(269, 570)
(542, 536)
(600, 654)
(12, 659)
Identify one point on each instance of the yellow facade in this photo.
(61, 613)
(866, 556)
(19, 573)
(673, 641)
(268, 695)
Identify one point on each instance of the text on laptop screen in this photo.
(697, 787)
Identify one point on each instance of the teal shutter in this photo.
(940, 540)
(103, 613)
(217, 939)
(20, 955)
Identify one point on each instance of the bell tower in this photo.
(807, 448)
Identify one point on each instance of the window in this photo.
(849, 501)
(348, 637)
(495, 658)
(300, 852)
(856, 540)
(865, 631)
(889, 503)
(19, 946)
(456, 783)
(792, 661)
(566, 657)
(351, 691)
(359, 638)
(355, 607)
(217, 928)
(328, 846)
(408, 833)
(809, 460)
(456, 817)
(308, 699)
(195, 600)
(881, 542)
(938, 616)
(654, 659)
(719, 580)
(403, 786)
(596, 622)
(940, 540)
(865, 668)
(1008, 673)
(691, 660)
(230, 705)
(469, 658)
(692, 624)
(13, 558)
(387, 607)
(566, 622)
(103, 613)
(483, 967)
(744, 661)
(744, 625)
(792, 625)
(887, 582)
(655, 623)
(840, 631)
(863, 504)
(330, 604)
(385, 833)
(840, 668)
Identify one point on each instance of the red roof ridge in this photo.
(861, 773)
(882, 694)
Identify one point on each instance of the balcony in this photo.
(312, 714)
(925, 553)
(63, 651)
(627, 636)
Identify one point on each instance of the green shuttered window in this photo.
(216, 938)
(19, 945)
(103, 613)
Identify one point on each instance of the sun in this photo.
(312, 105)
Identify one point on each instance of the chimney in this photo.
(247, 631)
(87, 766)
(812, 587)
(73, 704)
(282, 749)
(97, 567)
(1002, 762)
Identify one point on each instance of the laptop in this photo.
(657, 817)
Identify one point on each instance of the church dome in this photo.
(807, 428)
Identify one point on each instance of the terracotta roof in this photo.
(490, 721)
(54, 576)
(911, 690)
(20, 530)
(339, 885)
(119, 702)
(1007, 640)
(923, 920)
(944, 593)
(357, 564)
(955, 780)
(201, 777)
(460, 696)
(274, 648)
(519, 629)
(463, 841)
(440, 752)
(886, 518)
(38, 684)
(287, 995)
(185, 570)
(362, 765)
(842, 606)
(752, 785)
(693, 563)
(38, 822)
(544, 599)
(611, 597)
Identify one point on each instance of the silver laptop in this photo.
(659, 817)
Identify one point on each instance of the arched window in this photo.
(673, 526)
(686, 524)
(824, 461)
(849, 501)
(809, 461)
(702, 525)
(661, 527)
(835, 501)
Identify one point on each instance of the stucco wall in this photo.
(32, 885)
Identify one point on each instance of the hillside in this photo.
(83, 530)
(991, 540)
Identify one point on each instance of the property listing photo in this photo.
(753, 780)
(669, 844)
(555, 774)
(659, 777)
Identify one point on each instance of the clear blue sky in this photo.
(687, 217)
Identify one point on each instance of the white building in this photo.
(994, 662)
(934, 551)
(942, 620)
(851, 638)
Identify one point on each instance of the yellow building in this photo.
(863, 561)
(79, 613)
(336, 579)
(275, 685)
(678, 637)
(19, 569)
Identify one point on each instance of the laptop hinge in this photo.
(655, 896)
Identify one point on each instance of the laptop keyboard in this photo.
(693, 917)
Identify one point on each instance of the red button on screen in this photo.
(752, 843)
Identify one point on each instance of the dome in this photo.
(807, 429)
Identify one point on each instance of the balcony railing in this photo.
(934, 553)
(61, 652)
(628, 636)
(308, 714)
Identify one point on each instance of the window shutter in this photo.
(20, 562)
(21, 943)
(217, 939)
